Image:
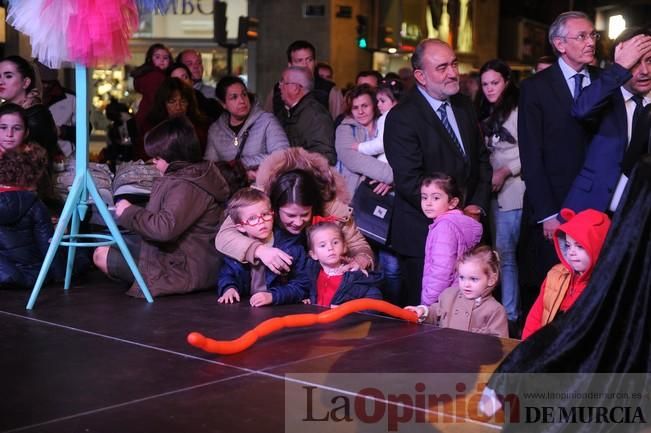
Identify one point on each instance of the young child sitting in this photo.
(331, 285)
(450, 235)
(250, 209)
(470, 306)
(578, 243)
(25, 225)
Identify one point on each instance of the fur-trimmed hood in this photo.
(297, 158)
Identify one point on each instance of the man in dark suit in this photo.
(434, 129)
(614, 102)
(552, 143)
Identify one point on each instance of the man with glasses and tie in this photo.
(552, 143)
(306, 122)
(434, 129)
(615, 102)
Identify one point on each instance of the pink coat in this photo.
(449, 237)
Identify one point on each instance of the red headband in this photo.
(324, 219)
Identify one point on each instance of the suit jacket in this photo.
(602, 104)
(417, 144)
(640, 141)
(552, 142)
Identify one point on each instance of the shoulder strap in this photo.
(245, 136)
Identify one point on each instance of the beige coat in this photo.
(482, 315)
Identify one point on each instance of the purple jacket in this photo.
(449, 237)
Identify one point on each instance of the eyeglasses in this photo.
(582, 37)
(254, 220)
(284, 83)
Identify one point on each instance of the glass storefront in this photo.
(187, 24)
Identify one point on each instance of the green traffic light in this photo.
(361, 42)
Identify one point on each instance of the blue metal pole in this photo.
(74, 230)
(77, 203)
(117, 236)
(68, 208)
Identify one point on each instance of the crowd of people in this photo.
(522, 176)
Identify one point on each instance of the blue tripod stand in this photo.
(76, 207)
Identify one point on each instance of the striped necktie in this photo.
(443, 115)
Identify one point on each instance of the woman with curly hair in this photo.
(25, 225)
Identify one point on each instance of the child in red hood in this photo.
(578, 243)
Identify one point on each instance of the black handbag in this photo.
(373, 212)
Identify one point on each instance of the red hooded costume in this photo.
(563, 286)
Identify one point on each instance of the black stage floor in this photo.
(96, 360)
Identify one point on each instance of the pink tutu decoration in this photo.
(90, 32)
(98, 31)
(50, 43)
(43, 22)
(25, 15)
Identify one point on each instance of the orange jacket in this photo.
(563, 286)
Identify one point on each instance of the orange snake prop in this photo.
(296, 320)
